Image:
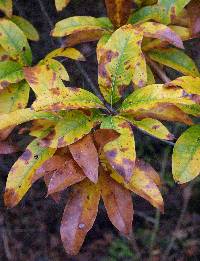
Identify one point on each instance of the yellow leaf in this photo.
(61, 4)
(188, 83)
(71, 53)
(6, 6)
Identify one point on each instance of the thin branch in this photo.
(161, 74)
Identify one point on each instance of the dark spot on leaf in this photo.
(26, 155)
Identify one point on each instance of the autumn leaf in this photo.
(142, 184)
(13, 40)
(20, 176)
(175, 59)
(193, 13)
(193, 109)
(120, 152)
(117, 62)
(79, 215)
(27, 28)
(104, 136)
(7, 148)
(118, 11)
(70, 53)
(3, 55)
(61, 4)
(56, 196)
(85, 154)
(186, 155)
(6, 6)
(118, 203)
(10, 72)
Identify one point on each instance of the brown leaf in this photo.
(103, 136)
(47, 178)
(79, 215)
(85, 154)
(194, 15)
(5, 133)
(118, 203)
(66, 176)
(7, 148)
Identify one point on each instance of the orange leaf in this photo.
(118, 203)
(85, 154)
(79, 215)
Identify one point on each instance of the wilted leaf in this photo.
(188, 83)
(10, 72)
(6, 6)
(69, 174)
(175, 59)
(71, 53)
(117, 62)
(118, 203)
(103, 136)
(79, 215)
(193, 13)
(160, 31)
(120, 152)
(13, 40)
(27, 28)
(78, 24)
(118, 11)
(85, 154)
(73, 126)
(61, 4)
(152, 127)
(152, 95)
(186, 155)
(142, 184)
(7, 148)
(20, 176)
(23, 115)
(56, 196)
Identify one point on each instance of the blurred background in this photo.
(30, 231)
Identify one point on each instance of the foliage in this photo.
(88, 142)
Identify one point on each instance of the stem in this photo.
(161, 74)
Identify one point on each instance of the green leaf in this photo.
(73, 126)
(13, 40)
(20, 176)
(152, 95)
(14, 97)
(6, 6)
(164, 11)
(120, 62)
(193, 109)
(120, 152)
(23, 115)
(150, 76)
(76, 24)
(152, 127)
(28, 29)
(175, 59)
(10, 72)
(186, 155)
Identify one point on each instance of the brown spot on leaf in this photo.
(10, 198)
(4, 84)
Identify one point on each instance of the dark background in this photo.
(30, 231)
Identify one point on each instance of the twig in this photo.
(161, 74)
(186, 198)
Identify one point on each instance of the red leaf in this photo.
(85, 154)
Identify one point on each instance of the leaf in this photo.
(103, 136)
(188, 83)
(152, 95)
(7, 148)
(120, 152)
(85, 154)
(76, 24)
(100, 45)
(69, 174)
(71, 53)
(118, 11)
(21, 173)
(142, 184)
(186, 155)
(117, 62)
(152, 127)
(13, 41)
(40, 125)
(56, 196)
(61, 4)
(57, 67)
(164, 11)
(193, 13)
(160, 31)
(21, 116)
(26, 27)
(193, 109)
(118, 203)
(150, 76)
(175, 59)
(73, 126)
(10, 72)
(14, 97)
(3, 55)
(6, 6)
(166, 112)
(79, 215)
